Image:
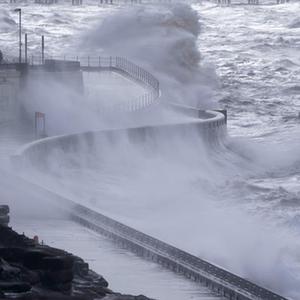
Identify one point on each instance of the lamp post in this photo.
(20, 33)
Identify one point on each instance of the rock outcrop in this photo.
(32, 271)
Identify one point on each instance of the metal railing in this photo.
(116, 64)
(217, 279)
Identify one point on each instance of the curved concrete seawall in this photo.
(211, 128)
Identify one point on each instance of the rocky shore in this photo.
(31, 271)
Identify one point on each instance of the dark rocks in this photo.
(14, 287)
(12, 254)
(11, 239)
(125, 297)
(4, 210)
(56, 263)
(26, 266)
(52, 278)
(29, 271)
(33, 258)
(4, 217)
(8, 272)
(81, 268)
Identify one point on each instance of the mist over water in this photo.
(235, 204)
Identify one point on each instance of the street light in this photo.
(19, 10)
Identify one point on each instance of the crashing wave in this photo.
(164, 40)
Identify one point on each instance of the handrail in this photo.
(116, 64)
(223, 280)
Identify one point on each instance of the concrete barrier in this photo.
(211, 129)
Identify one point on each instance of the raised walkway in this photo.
(142, 277)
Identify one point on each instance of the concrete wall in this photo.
(212, 130)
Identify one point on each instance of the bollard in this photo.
(26, 48)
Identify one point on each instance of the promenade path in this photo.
(124, 271)
(110, 88)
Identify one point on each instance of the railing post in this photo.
(26, 59)
(43, 49)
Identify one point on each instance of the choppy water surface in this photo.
(255, 50)
(256, 53)
(60, 24)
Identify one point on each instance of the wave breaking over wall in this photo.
(163, 39)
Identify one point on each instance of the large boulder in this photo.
(7, 272)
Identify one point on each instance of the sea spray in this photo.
(163, 39)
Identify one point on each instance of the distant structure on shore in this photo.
(249, 2)
(220, 2)
(80, 2)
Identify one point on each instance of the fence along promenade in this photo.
(116, 64)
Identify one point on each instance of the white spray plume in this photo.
(163, 39)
